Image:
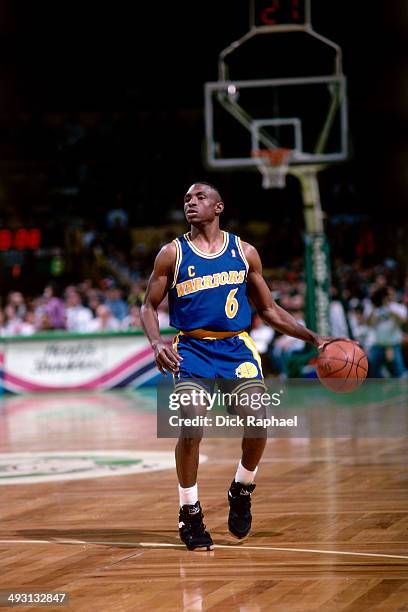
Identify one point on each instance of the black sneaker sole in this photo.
(206, 548)
(239, 537)
(202, 548)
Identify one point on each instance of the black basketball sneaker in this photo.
(192, 529)
(240, 517)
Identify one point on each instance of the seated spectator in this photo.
(14, 325)
(337, 314)
(361, 331)
(386, 318)
(16, 299)
(29, 326)
(104, 320)
(94, 298)
(116, 303)
(77, 316)
(132, 321)
(54, 307)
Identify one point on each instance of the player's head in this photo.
(202, 203)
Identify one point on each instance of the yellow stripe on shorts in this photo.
(246, 338)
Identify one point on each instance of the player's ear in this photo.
(219, 207)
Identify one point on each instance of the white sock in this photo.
(189, 495)
(245, 476)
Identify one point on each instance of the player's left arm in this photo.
(268, 309)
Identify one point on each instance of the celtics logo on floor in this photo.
(26, 468)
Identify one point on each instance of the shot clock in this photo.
(267, 13)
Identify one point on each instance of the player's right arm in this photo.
(159, 283)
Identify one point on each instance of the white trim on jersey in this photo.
(179, 257)
(241, 252)
(200, 253)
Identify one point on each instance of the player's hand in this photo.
(322, 341)
(166, 358)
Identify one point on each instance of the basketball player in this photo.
(209, 276)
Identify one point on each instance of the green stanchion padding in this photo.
(318, 281)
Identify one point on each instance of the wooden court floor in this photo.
(330, 528)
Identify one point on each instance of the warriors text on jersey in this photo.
(209, 289)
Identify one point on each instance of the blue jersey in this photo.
(209, 290)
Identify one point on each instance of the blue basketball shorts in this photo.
(233, 362)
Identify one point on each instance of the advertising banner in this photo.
(58, 361)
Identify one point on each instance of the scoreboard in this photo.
(21, 239)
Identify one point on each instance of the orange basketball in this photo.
(342, 366)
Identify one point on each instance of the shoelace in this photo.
(195, 524)
(241, 501)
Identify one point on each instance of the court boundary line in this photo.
(229, 547)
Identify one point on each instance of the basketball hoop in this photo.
(273, 164)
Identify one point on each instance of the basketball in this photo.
(342, 366)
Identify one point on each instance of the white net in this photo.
(273, 164)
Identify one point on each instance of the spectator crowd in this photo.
(80, 308)
(369, 305)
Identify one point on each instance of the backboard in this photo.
(280, 86)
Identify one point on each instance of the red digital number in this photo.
(5, 240)
(20, 240)
(267, 15)
(295, 10)
(33, 239)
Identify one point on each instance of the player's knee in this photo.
(190, 442)
(246, 410)
(252, 402)
(256, 434)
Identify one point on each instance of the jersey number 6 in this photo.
(231, 305)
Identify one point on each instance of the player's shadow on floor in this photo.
(126, 538)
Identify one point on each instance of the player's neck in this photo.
(209, 237)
